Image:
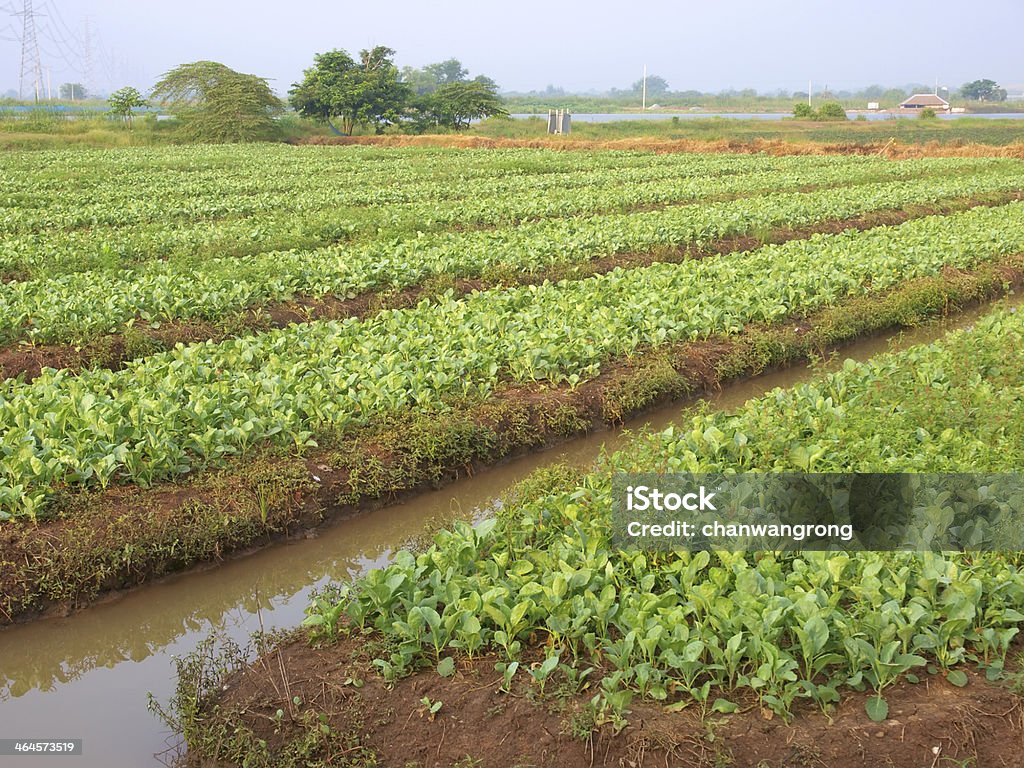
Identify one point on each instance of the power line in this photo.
(56, 31)
(67, 31)
(31, 64)
(89, 83)
(60, 51)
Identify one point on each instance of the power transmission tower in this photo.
(31, 64)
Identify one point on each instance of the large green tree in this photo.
(456, 105)
(364, 92)
(983, 90)
(216, 103)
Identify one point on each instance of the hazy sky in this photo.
(527, 44)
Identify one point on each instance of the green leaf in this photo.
(678, 706)
(724, 706)
(548, 666)
(877, 708)
(446, 667)
(957, 677)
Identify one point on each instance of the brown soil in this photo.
(892, 149)
(931, 723)
(114, 350)
(103, 541)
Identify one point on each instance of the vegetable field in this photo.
(105, 247)
(536, 604)
(207, 347)
(695, 629)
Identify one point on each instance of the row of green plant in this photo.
(140, 191)
(183, 173)
(260, 223)
(79, 307)
(718, 629)
(174, 412)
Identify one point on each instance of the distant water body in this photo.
(617, 116)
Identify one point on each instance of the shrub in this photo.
(831, 110)
(803, 111)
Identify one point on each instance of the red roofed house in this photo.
(925, 100)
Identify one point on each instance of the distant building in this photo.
(925, 101)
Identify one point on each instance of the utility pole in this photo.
(808, 93)
(31, 65)
(645, 88)
(49, 93)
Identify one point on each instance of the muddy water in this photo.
(87, 676)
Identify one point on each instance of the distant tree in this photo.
(217, 104)
(982, 90)
(486, 82)
(337, 87)
(456, 105)
(894, 96)
(420, 81)
(927, 114)
(123, 101)
(73, 92)
(433, 76)
(449, 71)
(656, 85)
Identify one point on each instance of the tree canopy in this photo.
(337, 87)
(73, 91)
(216, 103)
(455, 105)
(429, 78)
(983, 90)
(446, 72)
(656, 85)
(123, 101)
(443, 96)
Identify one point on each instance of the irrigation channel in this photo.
(86, 676)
